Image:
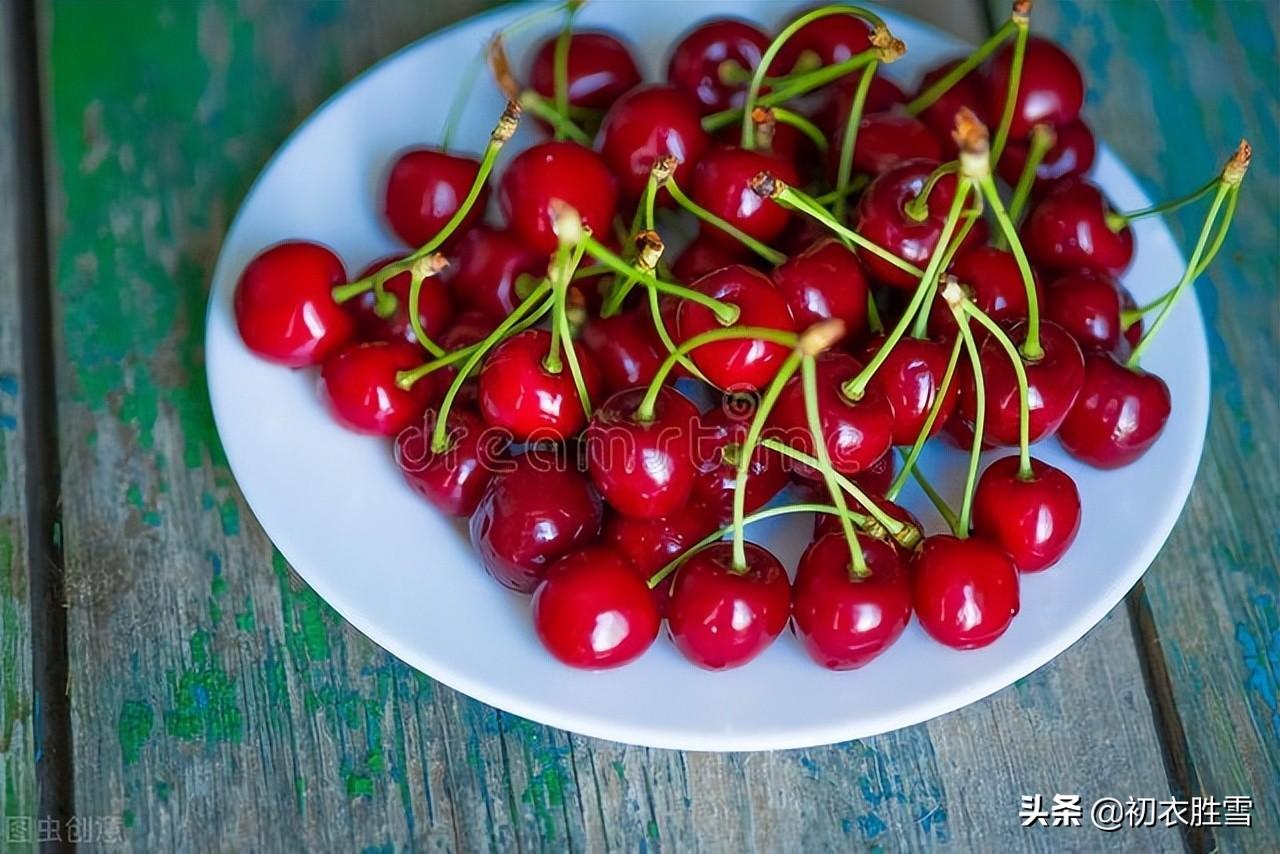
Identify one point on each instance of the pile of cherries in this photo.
(872, 268)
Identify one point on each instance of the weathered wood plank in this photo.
(18, 805)
(1177, 84)
(219, 703)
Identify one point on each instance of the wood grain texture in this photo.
(219, 703)
(1174, 86)
(17, 739)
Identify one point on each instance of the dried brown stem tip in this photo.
(507, 123)
(766, 124)
(820, 337)
(767, 186)
(428, 265)
(889, 47)
(1233, 172)
(663, 168)
(1021, 13)
(500, 67)
(649, 249)
(974, 143)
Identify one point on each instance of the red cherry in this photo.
(643, 468)
(1067, 230)
(697, 58)
(968, 92)
(425, 188)
(601, 69)
(1034, 520)
(882, 219)
(650, 544)
(828, 40)
(965, 592)
(455, 480)
(740, 363)
(553, 172)
(625, 348)
(648, 123)
(471, 327)
(1071, 155)
(434, 309)
(991, 279)
(719, 618)
(1088, 305)
(483, 274)
(1050, 91)
(1053, 381)
(592, 612)
(857, 432)
(284, 304)
(706, 255)
(534, 513)
(722, 431)
(518, 392)
(910, 378)
(722, 185)
(824, 281)
(846, 622)
(825, 523)
(878, 477)
(833, 114)
(885, 140)
(1119, 414)
(358, 385)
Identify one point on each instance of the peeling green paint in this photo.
(205, 702)
(134, 728)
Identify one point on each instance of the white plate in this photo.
(336, 506)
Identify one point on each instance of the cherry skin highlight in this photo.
(845, 622)
(910, 379)
(434, 308)
(601, 70)
(646, 124)
(722, 185)
(1118, 415)
(1067, 230)
(1088, 305)
(824, 281)
(1050, 91)
(519, 393)
(533, 514)
(592, 612)
(358, 386)
(1072, 154)
(720, 619)
(456, 479)
(485, 268)
(1034, 520)
(424, 189)
(284, 304)
(696, 61)
(964, 592)
(551, 172)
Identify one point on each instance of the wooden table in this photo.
(169, 682)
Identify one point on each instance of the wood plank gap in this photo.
(50, 676)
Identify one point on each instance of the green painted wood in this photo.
(1175, 85)
(17, 748)
(219, 703)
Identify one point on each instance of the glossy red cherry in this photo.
(968, 92)
(722, 431)
(358, 385)
(722, 185)
(739, 363)
(644, 469)
(625, 348)
(964, 592)
(1067, 230)
(845, 622)
(553, 172)
(592, 612)
(719, 618)
(284, 304)
(1053, 381)
(1071, 155)
(470, 327)
(650, 544)
(824, 281)
(1050, 91)
(833, 112)
(534, 513)
(1034, 520)
(647, 123)
(1119, 414)
(884, 140)
(696, 61)
(1088, 305)
(425, 188)
(706, 255)
(910, 378)
(827, 41)
(882, 218)
(518, 392)
(486, 266)
(601, 69)
(991, 279)
(456, 479)
(857, 432)
(434, 308)
(878, 477)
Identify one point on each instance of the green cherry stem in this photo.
(1031, 348)
(416, 277)
(1043, 139)
(961, 525)
(1116, 220)
(726, 313)
(660, 326)
(926, 430)
(856, 185)
(560, 62)
(935, 498)
(920, 326)
(1022, 29)
(944, 84)
(802, 124)
(1024, 403)
(918, 207)
(561, 279)
(809, 380)
(563, 126)
(773, 256)
(850, 141)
